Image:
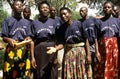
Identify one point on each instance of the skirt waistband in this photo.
(75, 45)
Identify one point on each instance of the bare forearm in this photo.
(32, 49)
(96, 46)
(88, 47)
(6, 39)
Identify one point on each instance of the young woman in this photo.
(108, 31)
(27, 13)
(15, 30)
(116, 11)
(89, 24)
(75, 41)
(44, 36)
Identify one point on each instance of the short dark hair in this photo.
(65, 8)
(16, 1)
(26, 7)
(43, 2)
(109, 3)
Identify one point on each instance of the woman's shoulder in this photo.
(76, 22)
(50, 19)
(9, 18)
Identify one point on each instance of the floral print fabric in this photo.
(75, 66)
(16, 63)
(108, 67)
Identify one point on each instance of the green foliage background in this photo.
(3, 14)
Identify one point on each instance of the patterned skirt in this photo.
(16, 63)
(74, 64)
(108, 67)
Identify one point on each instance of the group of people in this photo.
(91, 45)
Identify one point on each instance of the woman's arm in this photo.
(97, 50)
(33, 61)
(88, 51)
(54, 49)
(9, 40)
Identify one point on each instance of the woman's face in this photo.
(107, 9)
(27, 13)
(44, 10)
(83, 12)
(17, 7)
(65, 15)
(53, 11)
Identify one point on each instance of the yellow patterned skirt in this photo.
(16, 63)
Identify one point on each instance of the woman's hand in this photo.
(33, 62)
(98, 56)
(51, 50)
(12, 42)
(89, 59)
(28, 38)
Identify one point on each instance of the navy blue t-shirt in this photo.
(43, 31)
(89, 25)
(17, 29)
(58, 21)
(108, 28)
(71, 34)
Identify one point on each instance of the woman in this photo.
(16, 32)
(116, 11)
(108, 31)
(44, 36)
(89, 24)
(75, 41)
(27, 13)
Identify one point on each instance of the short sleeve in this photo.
(82, 30)
(59, 34)
(97, 28)
(119, 27)
(5, 30)
(32, 29)
(29, 33)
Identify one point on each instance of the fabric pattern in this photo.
(75, 66)
(16, 63)
(108, 67)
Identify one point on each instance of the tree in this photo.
(98, 3)
(67, 2)
(94, 4)
(3, 14)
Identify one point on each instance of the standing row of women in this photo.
(78, 38)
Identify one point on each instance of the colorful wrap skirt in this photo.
(46, 69)
(16, 63)
(108, 67)
(74, 63)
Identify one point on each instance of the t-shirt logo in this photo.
(50, 26)
(20, 30)
(24, 26)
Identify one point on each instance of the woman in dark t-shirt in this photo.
(108, 32)
(15, 30)
(44, 36)
(74, 39)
